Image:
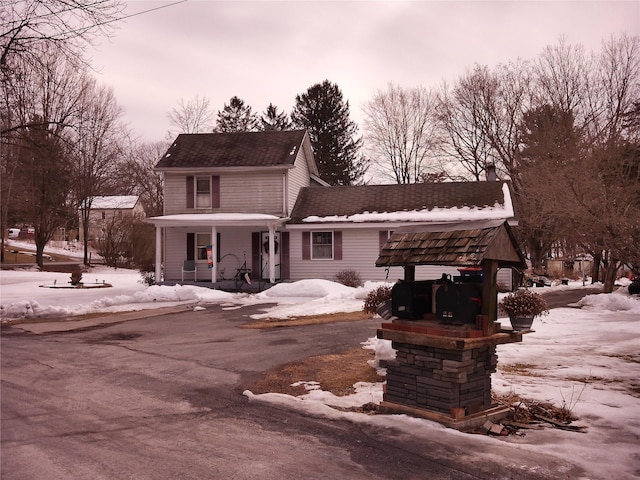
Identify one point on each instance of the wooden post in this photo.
(490, 290)
(409, 273)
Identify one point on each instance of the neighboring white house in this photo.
(104, 209)
(254, 200)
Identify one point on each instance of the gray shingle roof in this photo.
(240, 149)
(352, 200)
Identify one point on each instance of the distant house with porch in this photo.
(252, 202)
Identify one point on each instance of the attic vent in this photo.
(293, 150)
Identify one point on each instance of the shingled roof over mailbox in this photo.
(350, 202)
(461, 244)
(238, 149)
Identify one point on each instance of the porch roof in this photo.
(217, 219)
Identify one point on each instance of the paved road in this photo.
(161, 398)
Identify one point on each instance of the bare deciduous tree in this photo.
(137, 175)
(27, 25)
(97, 143)
(401, 132)
(192, 116)
(44, 101)
(462, 115)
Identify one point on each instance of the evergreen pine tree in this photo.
(325, 115)
(271, 119)
(236, 117)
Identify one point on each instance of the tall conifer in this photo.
(322, 111)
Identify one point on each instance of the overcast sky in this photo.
(268, 51)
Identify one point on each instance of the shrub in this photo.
(147, 277)
(350, 278)
(375, 298)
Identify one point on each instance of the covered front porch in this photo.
(221, 250)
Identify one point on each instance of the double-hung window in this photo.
(203, 192)
(322, 245)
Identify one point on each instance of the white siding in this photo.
(360, 249)
(298, 177)
(505, 277)
(175, 194)
(239, 193)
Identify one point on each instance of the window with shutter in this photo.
(322, 245)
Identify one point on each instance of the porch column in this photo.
(214, 248)
(272, 254)
(158, 253)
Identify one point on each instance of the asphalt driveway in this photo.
(160, 397)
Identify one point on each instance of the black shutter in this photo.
(215, 191)
(284, 256)
(191, 246)
(337, 245)
(190, 191)
(306, 245)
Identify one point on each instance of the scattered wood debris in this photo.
(531, 415)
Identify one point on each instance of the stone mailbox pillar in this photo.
(443, 373)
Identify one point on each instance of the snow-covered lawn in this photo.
(586, 358)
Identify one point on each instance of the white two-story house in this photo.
(252, 202)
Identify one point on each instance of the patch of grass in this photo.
(336, 373)
(626, 358)
(521, 369)
(25, 256)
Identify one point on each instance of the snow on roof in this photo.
(114, 202)
(209, 219)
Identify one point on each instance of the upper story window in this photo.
(203, 192)
(322, 245)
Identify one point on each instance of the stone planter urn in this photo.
(520, 323)
(76, 278)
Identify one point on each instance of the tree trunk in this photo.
(595, 268)
(610, 275)
(85, 233)
(40, 254)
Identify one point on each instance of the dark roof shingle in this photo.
(239, 149)
(352, 200)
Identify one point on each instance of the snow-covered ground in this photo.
(585, 358)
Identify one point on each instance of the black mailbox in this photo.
(459, 302)
(411, 300)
